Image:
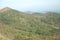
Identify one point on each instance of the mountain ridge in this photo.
(5, 9)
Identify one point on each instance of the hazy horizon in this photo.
(32, 5)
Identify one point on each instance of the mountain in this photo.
(17, 25)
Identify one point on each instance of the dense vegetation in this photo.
(16, 25)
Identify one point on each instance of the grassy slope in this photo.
(3, 37)
(17, 25)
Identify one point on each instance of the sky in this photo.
(32, 5)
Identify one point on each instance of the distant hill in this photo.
(17, 25)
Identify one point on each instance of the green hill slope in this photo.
(17, 25)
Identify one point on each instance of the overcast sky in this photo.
(32, 5)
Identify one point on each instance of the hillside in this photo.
(16, 25)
